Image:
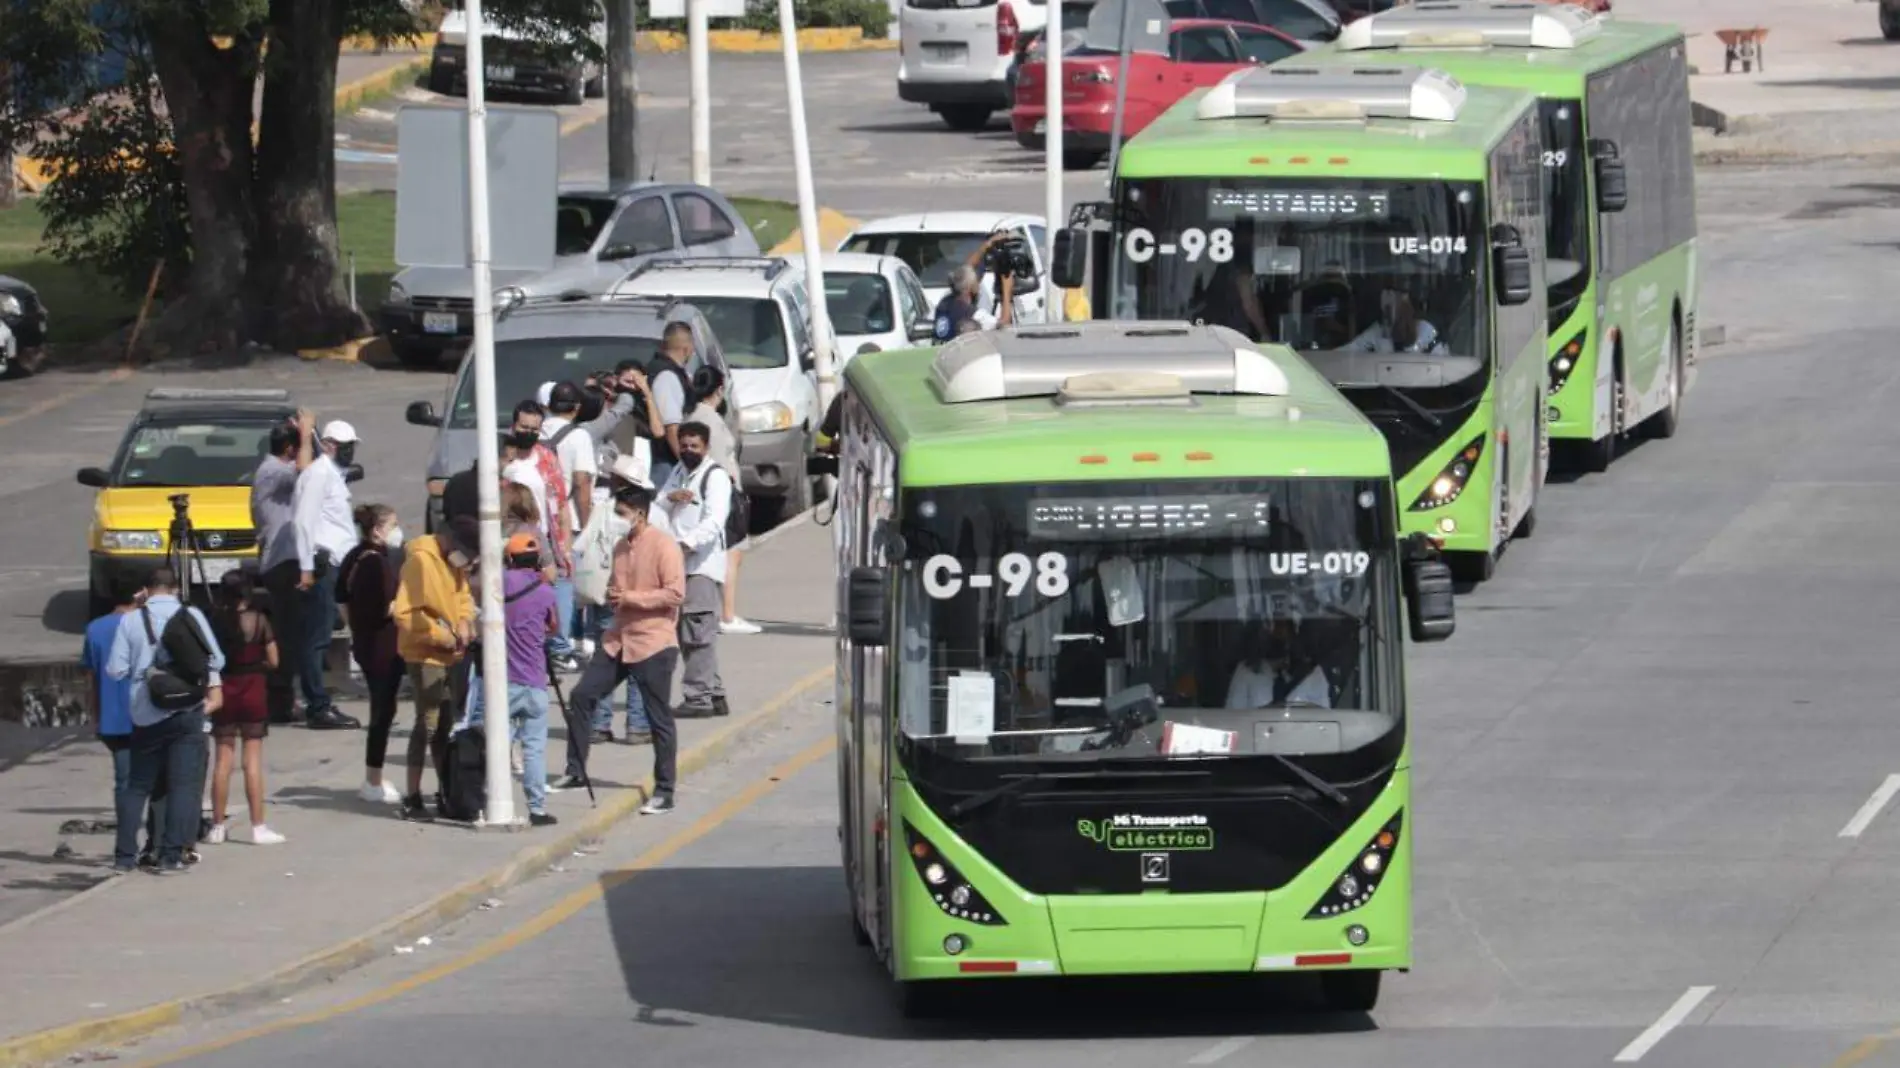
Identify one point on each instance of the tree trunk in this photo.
(295, 264)
(10, 188)
(208, 96)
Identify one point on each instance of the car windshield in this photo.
(193, 454)
(522, 365)
(749, 329)
(1566, 196)
(859, 303)
(578, 221)
(1094, 620)
(932, 255)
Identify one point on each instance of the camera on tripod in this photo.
(1011, 256)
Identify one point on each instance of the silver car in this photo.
(553, 340)
(601, 234)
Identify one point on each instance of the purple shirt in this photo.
(527, 618)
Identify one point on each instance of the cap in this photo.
(541, 395)
(632, 470)
(338, 431)
(564, 396)
(523, 544)
(463, 534)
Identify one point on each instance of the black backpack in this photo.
(179, 681)
(464, 776)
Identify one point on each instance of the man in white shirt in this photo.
(575, 449)
(694, 504)
(1264, 678)
(325, 530)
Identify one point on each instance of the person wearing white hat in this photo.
(321, 516)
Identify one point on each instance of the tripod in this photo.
(567, 717)
(183, 557)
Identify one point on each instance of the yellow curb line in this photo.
(57, 1043)
(358, 46)
(829, 39)
(833, 228)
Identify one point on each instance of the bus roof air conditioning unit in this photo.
(1468, 24)
(1335, 94)
(1097, 363)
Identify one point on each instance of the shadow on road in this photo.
(773, 945)
(66, 612)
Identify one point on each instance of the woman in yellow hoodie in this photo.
(434, 615)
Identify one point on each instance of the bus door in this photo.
(868, 761)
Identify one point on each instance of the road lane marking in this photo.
(1221, 1050)
(1882, 794)
(1668, 1022)
(555, 915)
(65, 397)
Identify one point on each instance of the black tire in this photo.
(1082, 161)
(574, 92)
(441, 81)
(1663, 425)
(1350, 991)
(1527, 526)
(923, 1000)
(1889, 24)
(415, 356)
(1471, 567)
(1600, 454)
(858, 934)
(966, 118)
(596, 87)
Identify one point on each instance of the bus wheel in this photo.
(1350, 991)
(923, 999)
(1472, 568)
(1599, 454)
(1527, 526)
(1663, 424)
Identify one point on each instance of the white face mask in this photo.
(392, 538)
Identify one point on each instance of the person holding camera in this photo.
(972, 295)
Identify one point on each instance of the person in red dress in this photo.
(244, 632)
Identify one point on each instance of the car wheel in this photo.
(1082, 161)
(441, 81)
(1889, 24)
(416, 356)
(575, 92)
(596, 86)
(966, 118)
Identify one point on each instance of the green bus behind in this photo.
(1619, 189)
(1120, 672)
(1388, 224)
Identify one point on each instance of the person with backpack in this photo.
(434, 614)
(240, 625)
(672, 397)
(529, 608)
(696, 502)
(113, 699)
(171, 657)
(563, 432)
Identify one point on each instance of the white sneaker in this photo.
(739, 625)
(382, 793)
(584, 650)
(216, 835)
(262, 835)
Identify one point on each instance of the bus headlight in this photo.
(1562, 364)
(947, 886)
(1356, 885)
(1450, 482)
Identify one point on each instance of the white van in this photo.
(956, 55)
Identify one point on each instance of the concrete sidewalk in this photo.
(250, 924)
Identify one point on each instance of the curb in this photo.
(348, 352)
(421, 43)
(829, 39)
(58, 1043)
(833, 228)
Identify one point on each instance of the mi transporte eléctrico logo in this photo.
(1131, 833)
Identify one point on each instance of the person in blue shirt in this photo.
(113, 698)
(164, 743)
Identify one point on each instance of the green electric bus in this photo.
(1386, 222)
(1120, 669)
(1619, 195)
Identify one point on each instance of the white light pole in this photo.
(1052, 145)
(698, 77)
(494, 665)
(807, 213)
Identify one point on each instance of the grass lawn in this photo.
(85, 308)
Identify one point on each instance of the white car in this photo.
(759, 315)
(955, 55)
(935, 243)
(518, 59)
(875, 303)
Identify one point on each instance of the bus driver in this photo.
(1264, 678)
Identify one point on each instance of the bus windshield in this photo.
(1566, 206)
(1122, 620)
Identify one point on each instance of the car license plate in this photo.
(1042, 126)
(438, 322)
(501, 74)
(945, 53)
(218, 567)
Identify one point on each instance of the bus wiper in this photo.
(1417, 409)
(1331, 792)
(1019, 783)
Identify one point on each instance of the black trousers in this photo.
(175, 752)
(281, 582)
(603, 676)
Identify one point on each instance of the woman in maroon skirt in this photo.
(250, 653)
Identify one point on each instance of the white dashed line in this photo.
(1220, 1051)
(1669, 1022)
(1882, 794)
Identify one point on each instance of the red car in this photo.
(1200, 53)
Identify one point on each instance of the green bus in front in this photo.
(1619, 187)
(1387, 224)
(1120, 669)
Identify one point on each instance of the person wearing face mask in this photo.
(696, 501)
(367, 581)
(434, 616)
(1264, 677)
(322, 519)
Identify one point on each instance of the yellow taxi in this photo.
(178, 492)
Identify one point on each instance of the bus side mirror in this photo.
(867, 607)
(1511, 265)
(1428, 597)
(1070, 267)
(1612, 177)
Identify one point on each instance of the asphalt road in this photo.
(1644, 766)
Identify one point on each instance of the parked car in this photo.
(876, 303)
(600, 234)
(1310, 22)
(1353, 10)
(758, 311)
(516, 60)
(23, 321)
(955, 55)
(935, 243)
(1075, 24)
(1890, 19)
(549, 339)
(1200, 53)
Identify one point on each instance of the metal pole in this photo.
(807, 212)
(698, 76)
(1114, 158)
(494, 635)
(1052, 144)
(353, 306)
(623, 94)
